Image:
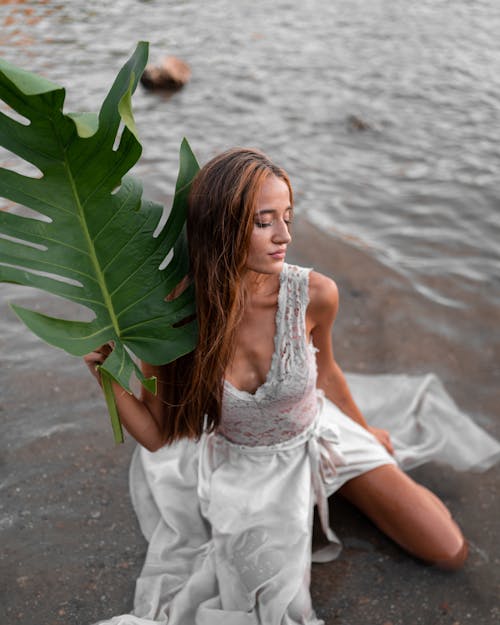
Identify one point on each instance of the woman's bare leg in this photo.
(409, 514)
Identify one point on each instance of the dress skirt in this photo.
(229, 526)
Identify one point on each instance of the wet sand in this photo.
(71, 544)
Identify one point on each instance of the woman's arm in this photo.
(321, 313)
(143, 418)
(140, 417)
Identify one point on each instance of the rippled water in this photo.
(418, 185)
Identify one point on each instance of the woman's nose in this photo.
(282, 233)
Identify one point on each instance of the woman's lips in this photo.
(279, 255)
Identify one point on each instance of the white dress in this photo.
(229, 518)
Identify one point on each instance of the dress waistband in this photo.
(285, 445)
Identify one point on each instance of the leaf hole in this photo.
(24, 211)
(37, 246)
(162, 222)
(13, 114)
(118, 137)
(45, 274)
(40, 301)
(166, 260)
(13, 162)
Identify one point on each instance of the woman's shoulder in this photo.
(323, 295)
(322, 289)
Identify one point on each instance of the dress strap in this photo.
(296, 287)
(291, 318)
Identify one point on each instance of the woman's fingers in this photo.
(94, 358)
(388, 445)
(106, 349)
(100, 354)
(383, 438)
(97, 357)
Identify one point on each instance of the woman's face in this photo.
(271, 230)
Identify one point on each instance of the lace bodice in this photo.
(286, 403)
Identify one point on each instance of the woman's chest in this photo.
(254, 347)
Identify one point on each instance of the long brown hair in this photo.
(220, 221)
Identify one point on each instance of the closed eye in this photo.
(265, 224)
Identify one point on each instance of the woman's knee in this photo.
(453, 560)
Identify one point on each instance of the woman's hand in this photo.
(142, 419)
(96, 358)
(383, 438)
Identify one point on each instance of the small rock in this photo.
(171, 74)
(356, 123)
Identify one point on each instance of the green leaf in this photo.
(95, 244)
(86, 123)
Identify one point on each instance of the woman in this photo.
(256, 426)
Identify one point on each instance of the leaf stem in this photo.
(107, 387)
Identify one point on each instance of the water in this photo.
(411, 202)
(417, 188)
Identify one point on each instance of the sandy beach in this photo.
(71, 544)
(384, 115)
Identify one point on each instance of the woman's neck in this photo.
(260, 284)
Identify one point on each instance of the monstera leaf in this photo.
(94, 244)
